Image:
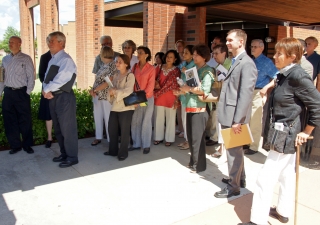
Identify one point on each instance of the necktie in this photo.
(233, 60)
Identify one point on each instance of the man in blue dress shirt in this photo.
(266, 72)
(62, 104)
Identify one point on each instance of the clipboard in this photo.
(53, 71)
(232, 140)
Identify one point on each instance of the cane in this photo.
(297, 181)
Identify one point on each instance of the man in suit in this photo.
(234, 107)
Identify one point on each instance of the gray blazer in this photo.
(237, 92)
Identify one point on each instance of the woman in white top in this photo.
(128, 48)
(121, 115)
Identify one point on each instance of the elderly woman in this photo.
(293, 91)
(141, 126)
(121, 115)
(165, 101)
(198, 111)
(128, 48)
(99, 91)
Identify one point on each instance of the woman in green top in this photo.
(198, 111)
(187, 64)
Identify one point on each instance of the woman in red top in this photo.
(165, 101)
(141, 125)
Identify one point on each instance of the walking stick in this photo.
(297, 181)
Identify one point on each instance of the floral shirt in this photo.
(109, 70)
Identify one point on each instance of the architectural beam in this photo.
(127, 10)
(123, 23)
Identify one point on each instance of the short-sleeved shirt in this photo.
(314, 58)
(266, 70)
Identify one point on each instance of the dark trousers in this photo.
(235, 166)
(119, 121)
(63, 113)
(196, 125)
(17, 119)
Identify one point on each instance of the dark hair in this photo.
(146, 51)
(202, 50)
(176, 55)
(189, 48)
(223, 48)
(126, 60)
(160, 54)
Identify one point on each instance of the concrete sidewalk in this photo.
(152, 189)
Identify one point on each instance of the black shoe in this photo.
(67, 163)
(249, 151)
(226, 193)
(146, 150)
(273, 213)
(14, 150)
(59, 159)
(29, 150)
(211, 142)
(107, 153)
(122, 158)
(246, 147)
(248, 223)
(242, 182)
(48, 144)
(133, 148)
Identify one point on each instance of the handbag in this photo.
(211, 97)
(276, 139)
(135, 97)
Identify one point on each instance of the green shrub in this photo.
(85, 119)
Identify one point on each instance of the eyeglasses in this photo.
(254, 47)
(127, 47)
(216, 53)
(212, 42)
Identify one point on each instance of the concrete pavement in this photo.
(150, 189)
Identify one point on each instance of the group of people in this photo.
(243, 93)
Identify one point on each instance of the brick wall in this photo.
(26, 29)
(279, 32)
(89, 28)
(49, 19)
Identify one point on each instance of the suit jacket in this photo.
(237, 92)
(43, 65)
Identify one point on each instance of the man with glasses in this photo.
(104, 41)
(216, 41)
(266, 72)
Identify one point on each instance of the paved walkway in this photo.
(150, 189)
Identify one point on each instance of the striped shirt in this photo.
(19, 71)
(66, 70)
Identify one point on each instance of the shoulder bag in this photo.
(276, 139)
(135, 97)
(212, 96)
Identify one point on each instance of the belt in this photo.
(12, 88)
(256, 88)
(56, 92)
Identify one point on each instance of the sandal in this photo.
(168, 144)
(181, 135)
(185, 146)
(216, 155)
(157, 142)
(96, 142)
(181, 144)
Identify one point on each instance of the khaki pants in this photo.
(256, 120)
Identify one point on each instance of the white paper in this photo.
(192, 74)
(107, 79)
(221, 72)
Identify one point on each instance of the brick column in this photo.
(194, 25)
(165, 24)
(161, 26)
(26, 29)
(89, 28)
(49, 20)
